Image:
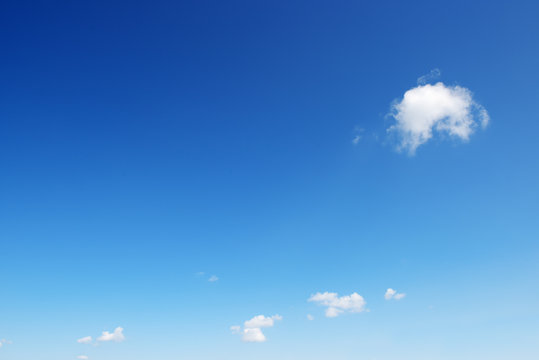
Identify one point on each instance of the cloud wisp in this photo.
(353, 303)
(434, 74)
(393, 294)
(4, 341)
(440, 109)
(116, 336)
(85, 340)
(252, 329)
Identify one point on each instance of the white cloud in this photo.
(252, 329)
(85, 340)
(82, 357)
(392, 294)
(336, 305)
(116, 336)
(310, 317)
(389, 293)
(213, 278)
(253, 335)
(261, 321)
(428, 109)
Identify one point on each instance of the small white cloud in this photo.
(213, 278)
(82, 357)
(85, 340)
(392, 294)
(253, 335)
(310, 317)
(435, 109)
(261, 321)
(389, 293)
(252, 329)
(116, 336)
(336, 305)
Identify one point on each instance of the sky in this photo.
(218, 180)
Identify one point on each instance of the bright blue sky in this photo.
(142, 143)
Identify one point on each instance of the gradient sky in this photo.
(148, 146)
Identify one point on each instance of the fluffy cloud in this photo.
(85, 340)
(337, 305)
(116, 336)
(252, 329)
(441, 109)
(393, 294)
(261, 321)
(253, 335)
(213, 278)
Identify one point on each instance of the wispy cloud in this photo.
(393, 294)
(434, 74)
(428, 109)
(4, 341)
(82, 357)
(252, 329)
(116, 336)
(85, 340)
(336, 305)
(212, 278)
(358, 135)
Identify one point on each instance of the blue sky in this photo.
(289, 151)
